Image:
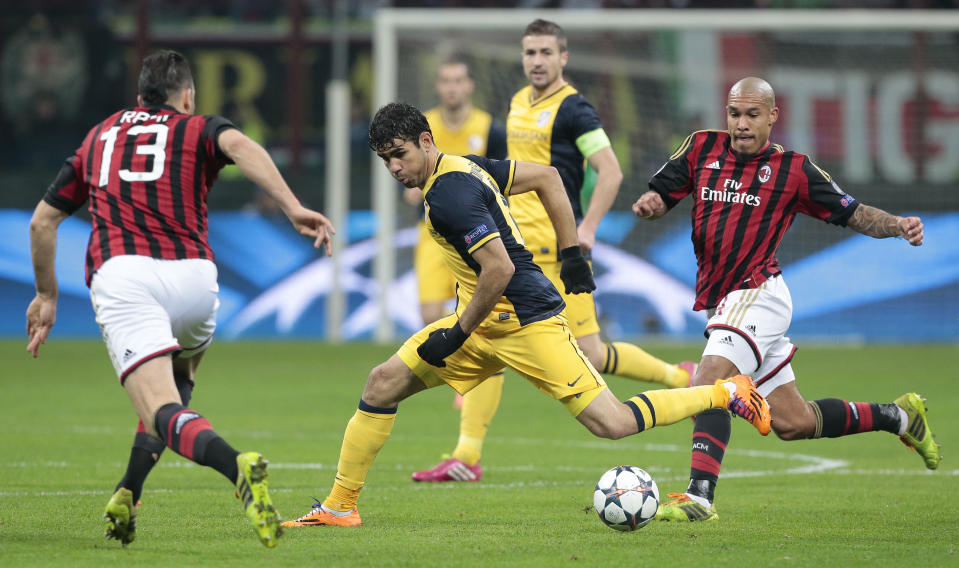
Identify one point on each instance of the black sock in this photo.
(710, 437)
(189, 434)
(146, 450)
(836, 418)
(143, 456)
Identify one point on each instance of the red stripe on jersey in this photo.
(741, 211)
(157, 167)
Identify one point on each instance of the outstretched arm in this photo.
(876, 223)
(42, 311)
(609, 176)
(256, 164)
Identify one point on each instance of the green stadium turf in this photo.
(66, 428)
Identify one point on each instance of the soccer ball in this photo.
(626, 498)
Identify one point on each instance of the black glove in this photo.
(575, 273)
(441, 344)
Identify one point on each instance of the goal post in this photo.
(871, 95)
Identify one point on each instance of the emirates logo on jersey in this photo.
(765, 173)
(729, 194)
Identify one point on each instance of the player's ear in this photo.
(139, 101)
(188, 101)
(773, 116)
(425, 138)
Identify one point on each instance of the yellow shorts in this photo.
(544, 352)
(580, 308)
(434, 280)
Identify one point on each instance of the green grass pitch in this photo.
(66, 428)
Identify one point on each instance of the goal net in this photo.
(871, 96)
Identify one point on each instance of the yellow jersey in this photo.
(560, 129)
(479, 134)
(466, 207)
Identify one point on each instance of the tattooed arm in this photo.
(878, 224)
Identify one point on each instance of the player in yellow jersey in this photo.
(459, 128)
(550, 123)
(507, 314)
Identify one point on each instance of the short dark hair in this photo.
(540, 27)
(458, 59)
(162, 75)
(397, 121)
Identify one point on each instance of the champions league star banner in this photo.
(273, 284)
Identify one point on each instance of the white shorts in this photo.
(748, 327)
(148, 307)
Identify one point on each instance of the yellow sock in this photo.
(479, 407)
(662, 407)
(365, 434)
(631, 362)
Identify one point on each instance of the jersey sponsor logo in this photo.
(714, 166)
(729, 194)
(543, 119)
(765, 173)
(476, 234)
(525, 135)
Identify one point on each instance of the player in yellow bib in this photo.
(459, 128)
(507, 313)
(550, 123)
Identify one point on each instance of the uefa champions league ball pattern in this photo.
(626, 498)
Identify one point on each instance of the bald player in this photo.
(746, 192)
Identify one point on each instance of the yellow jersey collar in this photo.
(533, 103)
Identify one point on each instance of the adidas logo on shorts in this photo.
(127, 355)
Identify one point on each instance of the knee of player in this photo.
(381, 387)
(611, 429)
(788, 429)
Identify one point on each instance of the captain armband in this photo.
(592, 142)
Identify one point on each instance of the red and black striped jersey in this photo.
(742, 208)
(146, 172)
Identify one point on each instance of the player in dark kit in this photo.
(746, 192)
(146, 172)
